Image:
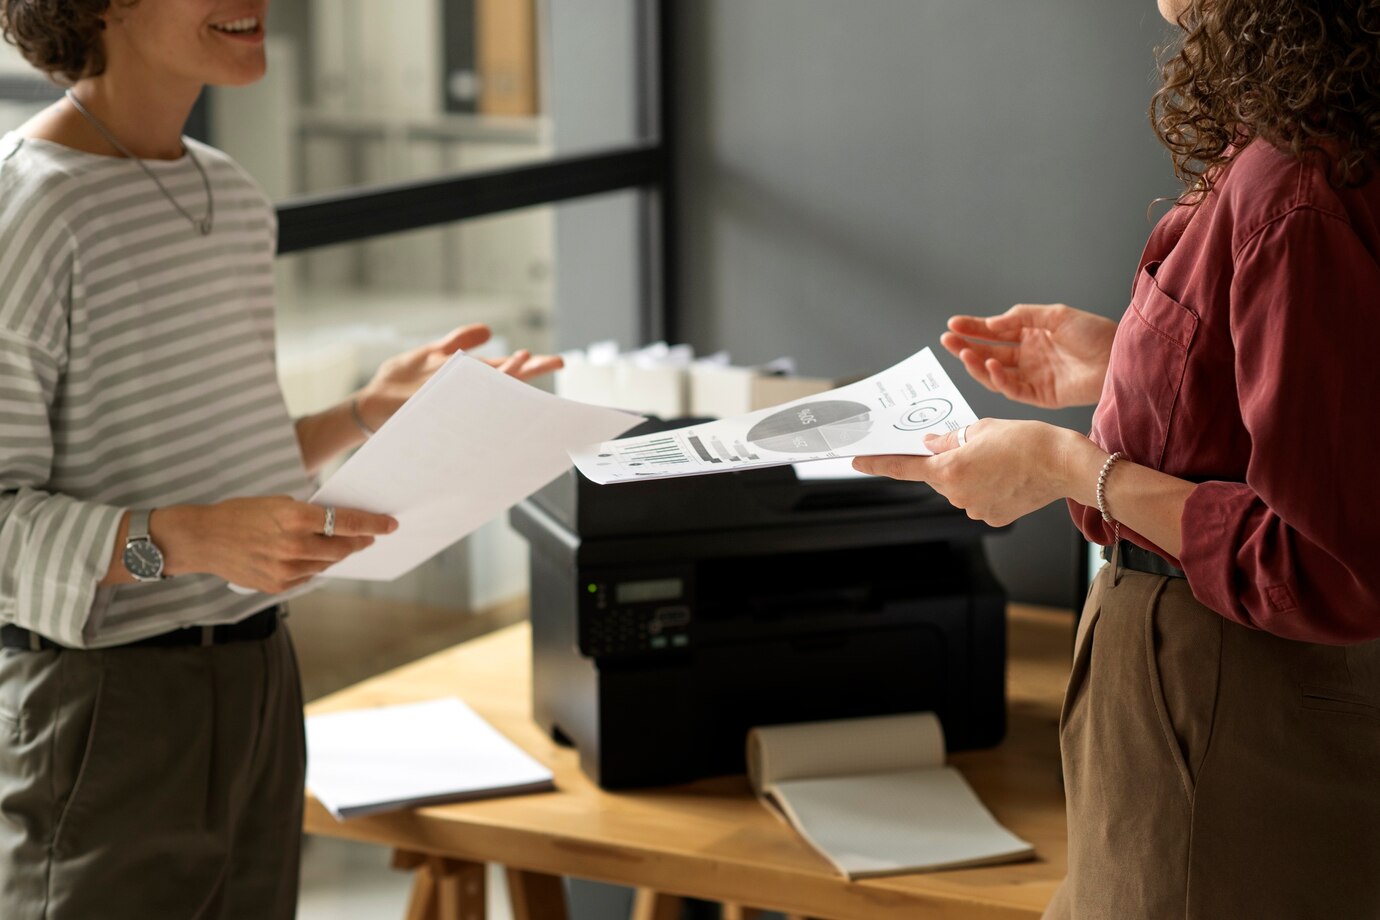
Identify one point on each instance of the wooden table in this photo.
(709, 839)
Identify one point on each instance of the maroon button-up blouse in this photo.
(1249, 363)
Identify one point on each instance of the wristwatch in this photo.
(143, 559)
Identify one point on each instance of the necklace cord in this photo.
(204, 224)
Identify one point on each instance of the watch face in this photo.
(143, 559)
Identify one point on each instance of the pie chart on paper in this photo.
(813, 427)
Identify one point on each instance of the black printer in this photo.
(670, 616)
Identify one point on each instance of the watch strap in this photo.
(138, 524)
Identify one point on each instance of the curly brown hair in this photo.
(1303, 75)
(62, 38)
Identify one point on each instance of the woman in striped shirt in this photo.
(151, 758)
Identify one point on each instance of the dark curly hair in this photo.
(62, 38)
(1303, 75)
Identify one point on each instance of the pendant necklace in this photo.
(203, 224)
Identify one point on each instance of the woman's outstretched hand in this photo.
(1047, 355)
(402, 375)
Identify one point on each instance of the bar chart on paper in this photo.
(669, 452)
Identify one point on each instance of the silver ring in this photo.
(963, 436)
(329, 528)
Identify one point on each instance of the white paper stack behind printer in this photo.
(874, 797)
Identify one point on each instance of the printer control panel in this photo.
(646, 613)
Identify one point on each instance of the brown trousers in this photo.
(151, 783)
(1212, 771)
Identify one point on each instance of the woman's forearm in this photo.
(325, 435)
(1145, 500)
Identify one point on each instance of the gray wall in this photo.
(591, 83)
(851, 174)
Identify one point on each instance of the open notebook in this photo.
(874, 797)
(369, 760)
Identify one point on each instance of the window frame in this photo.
(646, 166)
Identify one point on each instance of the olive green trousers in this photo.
(151, 783)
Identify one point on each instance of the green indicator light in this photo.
(593, 588)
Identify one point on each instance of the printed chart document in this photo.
(874, 797)
(887, 413)
(371, 760)
(471, 442)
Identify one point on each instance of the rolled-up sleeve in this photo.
(1295, 549)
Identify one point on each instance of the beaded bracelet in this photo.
(1102, 494)
(359, 420)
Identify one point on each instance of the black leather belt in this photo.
(1139, 559)
(259, 626)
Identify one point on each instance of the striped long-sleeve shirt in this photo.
(136, 370)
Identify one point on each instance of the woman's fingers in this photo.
(1003, 328)
(537, 365)
(1007, 381)
(896, 466)
(330, 549)
(352, 522)
(463, 338)
(957, 345)
(514, 362)
(949, 440)
(524, 365)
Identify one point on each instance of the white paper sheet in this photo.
(470, 443)
(370, 760)
(887, 413)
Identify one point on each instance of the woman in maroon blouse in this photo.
(1222, 746)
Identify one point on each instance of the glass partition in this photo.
(23, 91)
(361, 93)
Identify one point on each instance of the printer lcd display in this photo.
(659, 589)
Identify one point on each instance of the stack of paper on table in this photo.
(371, 760)
(874, 797)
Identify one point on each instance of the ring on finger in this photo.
(963, 436)
(329, 528)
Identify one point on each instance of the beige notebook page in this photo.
(874, 797)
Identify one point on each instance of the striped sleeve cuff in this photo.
(53, 551)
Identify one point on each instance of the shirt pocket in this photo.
(1150, 353)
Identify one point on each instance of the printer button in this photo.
(666, 617)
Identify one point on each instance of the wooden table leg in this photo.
(655, 905)
(421, 903)
(536, 896)
(739, 912)
(443, 889)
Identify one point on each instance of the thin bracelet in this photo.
(1102, 494)
(359, 420)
